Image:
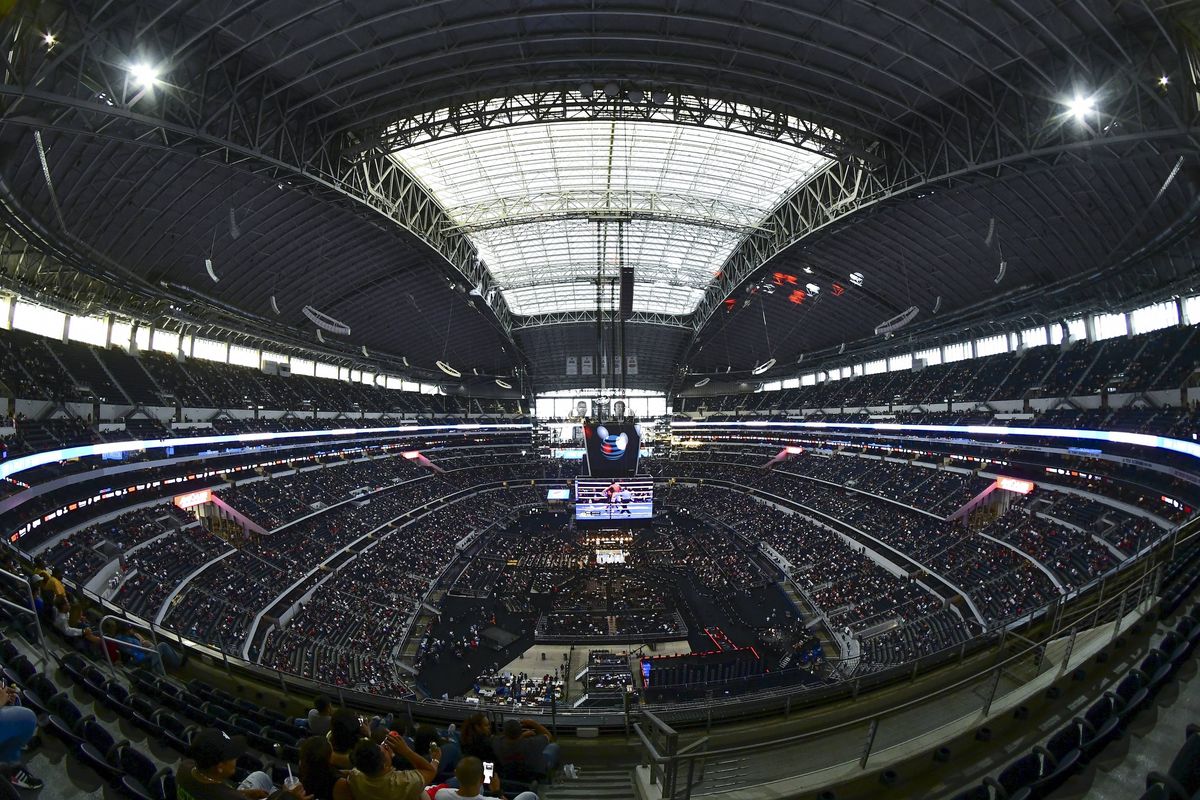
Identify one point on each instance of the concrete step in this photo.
(593, 784)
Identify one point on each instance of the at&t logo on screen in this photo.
(612, 447)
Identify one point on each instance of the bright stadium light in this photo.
(50, 39)
(1164, 81)
(1080, 107)
(144, 75)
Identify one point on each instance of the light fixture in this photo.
(503, 384)
(659, 97)
(449, 370)
(1080, 106)
(635, 95)
(763, 367)
(702, 382)
(587, 90)
(144, 75)
(611, 89)
(1163, 81)
(51, 40)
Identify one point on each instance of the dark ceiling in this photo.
(260, 96)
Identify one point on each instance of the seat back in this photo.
(1021, 773)
(97, 736)
(135, 763)
(1185, 767)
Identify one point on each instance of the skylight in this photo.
(542, 202)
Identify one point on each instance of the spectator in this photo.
(205, 776)
(375, 778)
(317, 775)
(470, 783)
(142, 650)
(525, 750)
(17, 726)
(475, 738)
(346, 729)
(319, 716)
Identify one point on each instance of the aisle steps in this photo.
(592, 784)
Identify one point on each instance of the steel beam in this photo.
(569, 317)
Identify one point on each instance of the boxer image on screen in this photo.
(625, 496)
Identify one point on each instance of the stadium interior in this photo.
(575, 400)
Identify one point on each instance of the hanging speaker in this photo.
(897, 322)
(626, 291)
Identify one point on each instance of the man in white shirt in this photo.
(469, 773)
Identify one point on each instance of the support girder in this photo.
(569, 317)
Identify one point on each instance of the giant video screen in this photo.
(614, 501)
(612, 449)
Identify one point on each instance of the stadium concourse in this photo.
(588, 400)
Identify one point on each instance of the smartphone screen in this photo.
(487, 772)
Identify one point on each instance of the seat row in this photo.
(1047, 766)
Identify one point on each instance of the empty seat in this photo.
(97, 747)
(1062, 755)
(1018, 776)
(1182, 778)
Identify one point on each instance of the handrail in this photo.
(32, 610)
(121, 643)
(669, 762)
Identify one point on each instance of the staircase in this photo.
(104, 367)
(592, 784)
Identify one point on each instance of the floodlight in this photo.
(144, 75)
(51, 40)
(1080, 106)
(1163, 81)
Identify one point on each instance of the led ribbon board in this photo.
(1114, 437)
(17, 465)
(1014, 485)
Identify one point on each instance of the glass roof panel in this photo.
(541, 203)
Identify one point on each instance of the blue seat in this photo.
(1017, 777)
(1182, 778)
(1101, 724)
(1062, 755)
(97, 748)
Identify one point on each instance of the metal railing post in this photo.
(32, 611)
(156, 657)
(987, 705)
(1067, 655)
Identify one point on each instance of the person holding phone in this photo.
(473, 775)
(374, 778)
